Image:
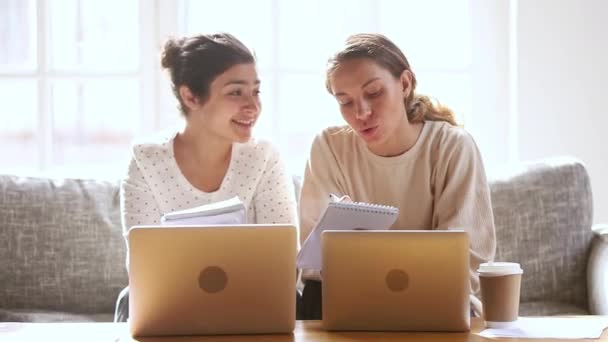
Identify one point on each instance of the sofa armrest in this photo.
(597, 271)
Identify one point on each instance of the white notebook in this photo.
(344, 216)
(231, 211)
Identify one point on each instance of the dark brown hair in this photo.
(385, 53)
(196, 61)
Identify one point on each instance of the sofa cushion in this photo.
(550, 308)
(543, 215)
(61, 245)
(51, 316)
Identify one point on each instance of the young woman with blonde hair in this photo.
(399, 149)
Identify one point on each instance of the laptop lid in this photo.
(396, 280)
(199, 280)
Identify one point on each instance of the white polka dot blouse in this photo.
(155, 185)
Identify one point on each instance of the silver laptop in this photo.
(201, 280)
(396, 280)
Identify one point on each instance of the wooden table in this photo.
(304, 331)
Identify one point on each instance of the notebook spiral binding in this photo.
(365, 207)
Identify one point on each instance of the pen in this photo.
(334, 198)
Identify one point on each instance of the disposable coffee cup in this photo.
(500, 285)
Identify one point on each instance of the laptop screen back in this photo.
(212, 280)
(396, 280)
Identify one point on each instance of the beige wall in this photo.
(562, 86)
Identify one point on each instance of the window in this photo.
(79, 79)
(70, 84)
(293, 40)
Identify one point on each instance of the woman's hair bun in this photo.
(171, 53)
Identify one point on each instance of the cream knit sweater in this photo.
(439, 183)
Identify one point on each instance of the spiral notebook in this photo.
(344, 216)
(231, 211)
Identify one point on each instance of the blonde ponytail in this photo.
(421, 108)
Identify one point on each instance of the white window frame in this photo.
(159, 19)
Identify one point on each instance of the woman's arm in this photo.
(137, 203)
(462, 200)
(321, 178)
(274, 198)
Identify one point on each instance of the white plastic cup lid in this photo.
(500, 268)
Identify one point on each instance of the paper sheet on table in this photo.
(552, 327)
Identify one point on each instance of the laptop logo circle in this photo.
(397, 280)
(212, 279)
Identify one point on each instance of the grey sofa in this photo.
(62, 255)
(543, 214)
